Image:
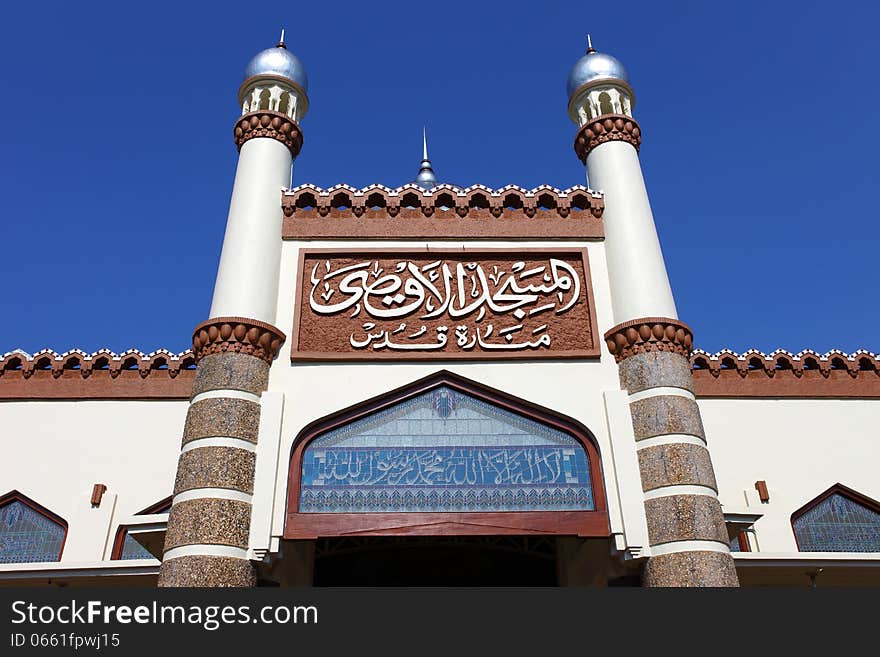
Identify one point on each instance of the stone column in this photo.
(207, 538)
(206, 543)
(686, 530)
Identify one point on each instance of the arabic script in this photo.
(410, 306)
(467, 466)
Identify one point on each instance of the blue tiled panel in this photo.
(445, 451)
(838, 524)
(28, 536)
(131, 549)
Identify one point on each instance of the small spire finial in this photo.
(426, 179)
(281, 40)
(590, 47)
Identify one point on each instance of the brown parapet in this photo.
(409, 211)
(271, 125)
(72, 385)
(238, 335)
(649, 334)
(786, 375)
(608, 127)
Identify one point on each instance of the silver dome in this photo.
(278, 61)
(594, 66)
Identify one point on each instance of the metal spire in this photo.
(281, 40)
(590, 47)
(426, 179)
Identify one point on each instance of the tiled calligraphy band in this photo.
(606, 128)
(270, 125)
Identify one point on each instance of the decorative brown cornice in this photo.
(834, 374)
(475, 212)
(103, 374)
(83, 365)
(165, 375)
(608, 127)
(273, 125)
(648, 334)
(239, 335)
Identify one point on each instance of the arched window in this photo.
(605, 103)
(446, 451)
(839, 520)
(28, 531)
(126, 547)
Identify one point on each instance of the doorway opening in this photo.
(437, 561)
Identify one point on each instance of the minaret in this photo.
(689, 545)
(206, 543)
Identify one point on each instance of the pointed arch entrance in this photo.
(445, 456)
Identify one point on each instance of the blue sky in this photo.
(759, 147)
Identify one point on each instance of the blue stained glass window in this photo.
(27, 535)
(838, 524)
(131, 549)
(445, 450)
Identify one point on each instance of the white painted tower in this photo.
(273, 100)
(600, 104)
(689, 544)
(206, 543)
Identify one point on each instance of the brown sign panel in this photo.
(388, 304)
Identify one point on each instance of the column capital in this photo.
(648, 334)
(608, 127)
(238, 335)
(273, 125)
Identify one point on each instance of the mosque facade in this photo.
(440, 385)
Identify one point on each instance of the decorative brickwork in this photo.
(647, 335)
(157, 364)
(608, 127)
(237, 335)
(272, 125)
(476, 212)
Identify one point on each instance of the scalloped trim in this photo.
(461, 200)
(781, 360)
(76, 360)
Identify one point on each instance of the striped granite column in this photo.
(207, 538)
(686, 530)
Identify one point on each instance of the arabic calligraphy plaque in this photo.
(418, 305)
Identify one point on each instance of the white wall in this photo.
(314, 390)
(800, 447)
(54, 451)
